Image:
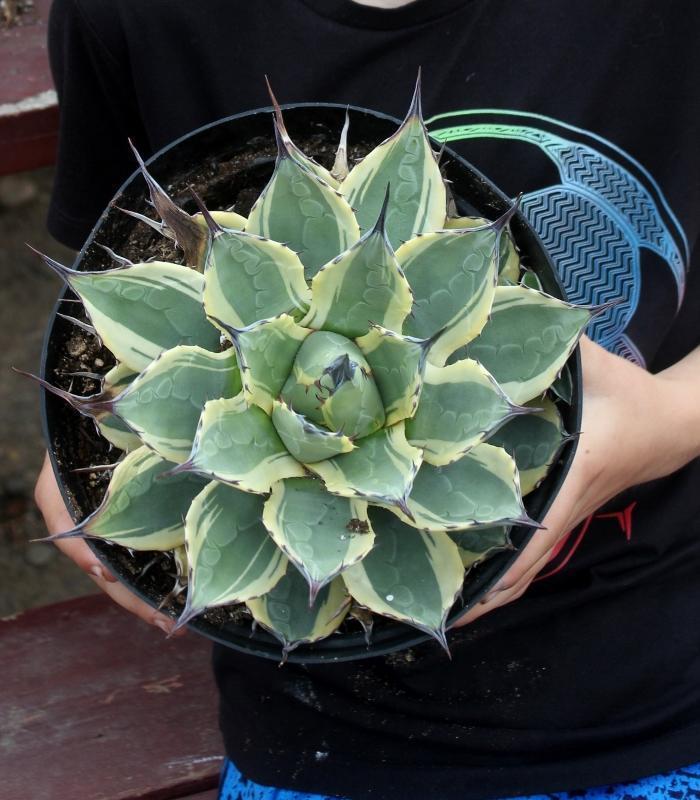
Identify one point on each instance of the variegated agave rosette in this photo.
(336, 405)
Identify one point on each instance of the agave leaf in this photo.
(116, 379)
(295, 152)
(407, 163)
(508, 256)
(303, 211)
(409, 576)
(318, 350)
(331, 385)
(182, 565)
(341, 168)
(352, 404)
(453, 278)
(162, 406)
(266, 352)
(361, 286)
(397, 363)
(479, 490)
(534, 441)
(365, 617)
(142, 509)
(285, 612)
(459, 406)
(530, 280)
(476, 546)
(179, 555)
(380, 469)
(176, 224)
(196, 256)
(527, 340)
(97, 406)
(305, 441)
(231, 557)
(320, 533)
(563, 386)
(509, 260)
(237, 444)
(115, 430)
(118, 433)
(248, 279)
(142, 310)
(198, 238)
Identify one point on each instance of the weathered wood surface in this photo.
(96, 705)
(28, 110)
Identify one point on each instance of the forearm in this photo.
(680, 413)
(637, 426)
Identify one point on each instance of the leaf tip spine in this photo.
(282, 142)
(526, 520)
(74, 533)
(78, 323)
(515, 410)
(121, 260)
(502, 222)
(178, 469)
(214, 228)
(402, 505)
(380, 224)
(85, 405)
(415, 110)
(63, 272)
(314, 588)
(153, 186)
(189, 613)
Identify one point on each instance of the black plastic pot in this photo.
(223, 161)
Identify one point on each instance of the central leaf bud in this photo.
(331, 384)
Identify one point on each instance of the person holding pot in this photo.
(592, 678)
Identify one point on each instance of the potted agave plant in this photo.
(330, 410)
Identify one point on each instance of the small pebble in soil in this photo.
(75, 346)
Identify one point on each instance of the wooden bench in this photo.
(28, 109)
(97, 705)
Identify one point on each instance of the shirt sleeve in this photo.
(98, 113)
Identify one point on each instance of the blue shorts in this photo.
(681, 784)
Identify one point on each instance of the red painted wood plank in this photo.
(28, 110)
(96, 705)
(28, 140)
(24, 62)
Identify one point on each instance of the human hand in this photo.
(48, 498)
(635, 427)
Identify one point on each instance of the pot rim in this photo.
(391, 637)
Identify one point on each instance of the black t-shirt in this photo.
(592, 110)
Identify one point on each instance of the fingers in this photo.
(130, 602)
(518, 578)
(79, 552)
(50, 502)
(504, 593)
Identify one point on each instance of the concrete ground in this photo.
(31, 574)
